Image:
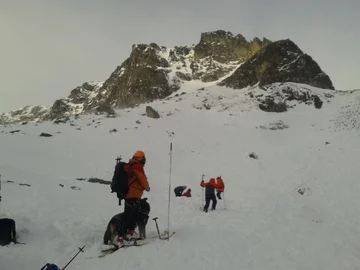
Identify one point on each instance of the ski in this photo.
(111, 250)
(161, 235)
(165, 235)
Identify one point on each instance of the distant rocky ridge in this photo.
(280, 61)
(154, 72)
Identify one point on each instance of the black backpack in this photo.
(119, 184)
(7, 231)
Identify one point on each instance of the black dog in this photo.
(116, 221)
(7, 231)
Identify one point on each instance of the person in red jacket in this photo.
(137, 184)
(210, 194)
(187, 193)
(221, 188)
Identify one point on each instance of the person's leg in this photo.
(129, 210)
(214, 202)
(206, 207)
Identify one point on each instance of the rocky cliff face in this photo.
(81, 97)
(141, 78)
(154, 72)
(280, 61)
(220, 52)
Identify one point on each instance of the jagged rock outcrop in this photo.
(220, 52)
(79, 98)
(224, 47)
(83, 94)
(280, 61)
(28, 113)
(279, 97)
(141, 78)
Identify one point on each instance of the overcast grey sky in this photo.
(48, 47)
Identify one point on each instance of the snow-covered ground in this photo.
(267, 224)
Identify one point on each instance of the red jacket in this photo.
(187, 193)
(221, 184)
(211, 183)
(209, 187)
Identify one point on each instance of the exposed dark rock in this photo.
(111, 115)
(269, 105)
(60, 109)
(280, 61)
(99, 181)
(141, 78)
(303, 191)
(14, 131)
(62, 120)
(43, 134)
(184, 76)
(26, 185)
(150, 112)
(24, 115)
(253, 155)
(224, 47)
(206, 106)
(317, 101)
(102, 109)
(113, 130)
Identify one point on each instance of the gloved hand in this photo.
(148, 189)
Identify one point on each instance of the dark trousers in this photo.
(129, 219)
(207, 200)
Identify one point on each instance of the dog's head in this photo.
(144, 210)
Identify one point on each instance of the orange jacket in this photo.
(139, 182)
(221, 184)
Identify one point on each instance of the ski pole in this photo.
(169, 188)
(0, 187)
(157, 227)
(80, 250)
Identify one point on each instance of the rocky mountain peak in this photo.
(225, 47)
(280, 61)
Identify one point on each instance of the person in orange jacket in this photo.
(137, 184)
(210, 193)
(221, 188)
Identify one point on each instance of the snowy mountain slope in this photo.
(153, 72)
(267, 223)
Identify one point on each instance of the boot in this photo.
(130, 234)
